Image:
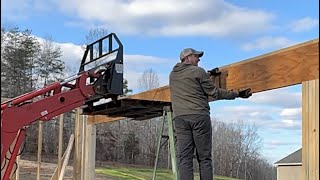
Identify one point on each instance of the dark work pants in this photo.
(194, 132)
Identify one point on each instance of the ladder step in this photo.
(165, 136)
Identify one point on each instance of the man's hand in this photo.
(214, 72)
(245, 93)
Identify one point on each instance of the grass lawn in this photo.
(129, 173)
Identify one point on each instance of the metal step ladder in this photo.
(167, 117)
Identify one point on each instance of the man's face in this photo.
(194, 59)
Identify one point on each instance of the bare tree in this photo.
(236, 151)
(92, 36)
(49, 67)
(95, 34)
(149, 80)
(150, 128)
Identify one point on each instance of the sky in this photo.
(154, 32)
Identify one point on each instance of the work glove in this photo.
(245, 93)
(214, 72)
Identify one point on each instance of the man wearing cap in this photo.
(190, 88)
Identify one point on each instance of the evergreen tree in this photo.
(49, 67)
(19, 51)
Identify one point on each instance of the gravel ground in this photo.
(28, 171)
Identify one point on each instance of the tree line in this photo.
(28, 63)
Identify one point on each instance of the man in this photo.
(190, 88)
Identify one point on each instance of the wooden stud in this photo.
(310, 130)
(66, 159)
(82, 123)
(77, 146)
(102, 119)
(60, 143)
(90, 147)
(39, 150)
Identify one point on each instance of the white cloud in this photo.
(268, 42)
(290, 123)
(278, 97)
(22, 9)
(273, 143)
(286, 124)
(210, 18)
(304, 24)
(135, 65)
(12, 11)
(143, 60)
(250, 114)
(289, 112)
(133, 77)
(267, 118)
(275, 109)
(71, 54)
(215, 18)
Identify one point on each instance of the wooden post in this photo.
(77, 146)
(90, 146)
(18, 168)
(39, 149)
(60, 143)
(66, 158)
(83, 146)
(310, 130)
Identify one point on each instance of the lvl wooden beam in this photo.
(281, 68)
(285, 67)
(96, 119)
(158, 94)
(310, 130)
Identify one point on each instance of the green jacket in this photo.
(190, 87)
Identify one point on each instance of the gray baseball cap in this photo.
(188, 51)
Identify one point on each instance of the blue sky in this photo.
(154, 32)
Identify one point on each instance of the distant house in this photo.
(290, 167)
